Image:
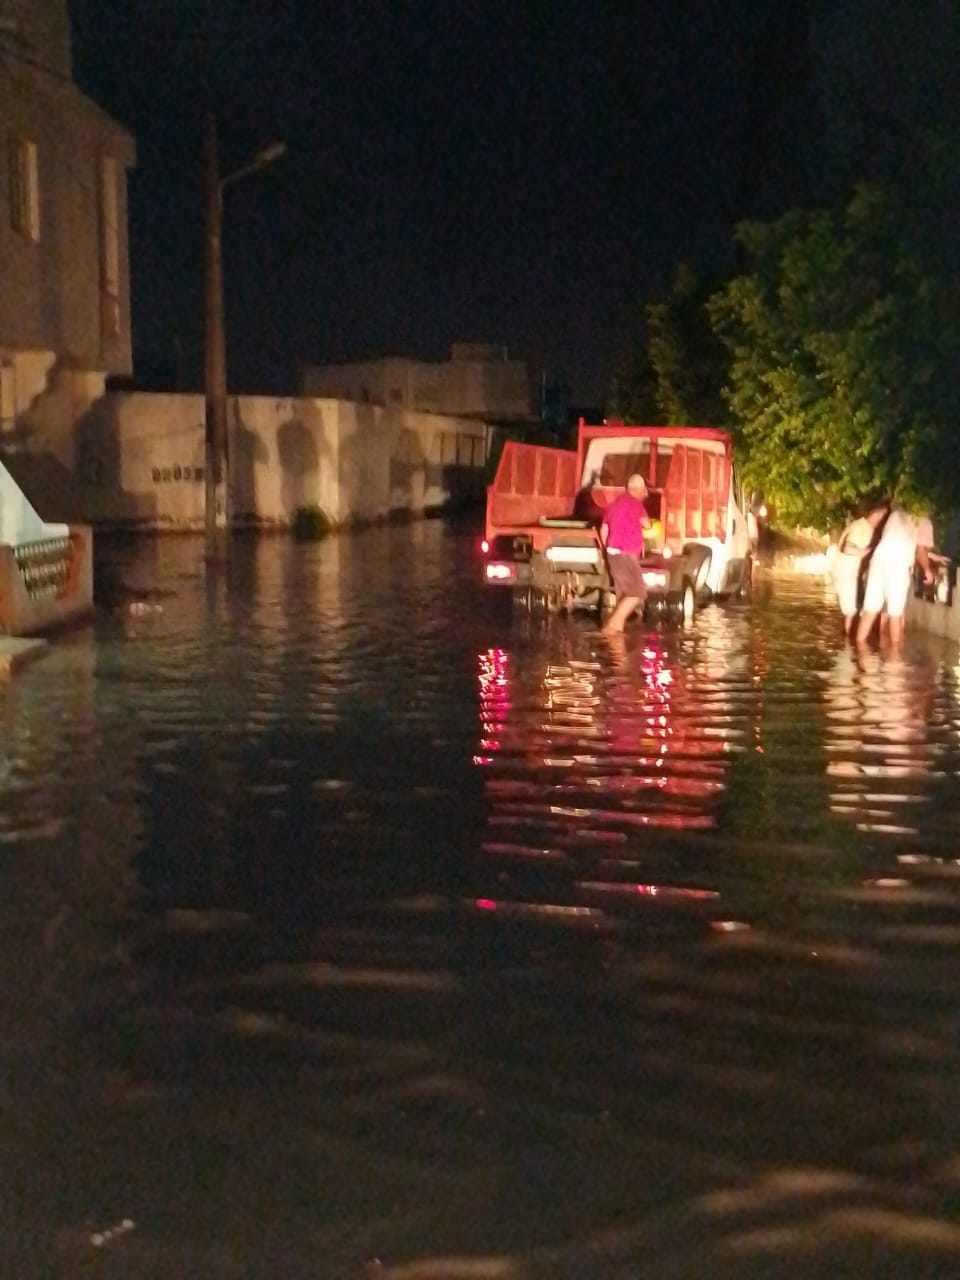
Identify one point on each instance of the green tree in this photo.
(675, 372)
(842, 344)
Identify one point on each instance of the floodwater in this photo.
(351, 927)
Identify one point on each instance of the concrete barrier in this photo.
(46, 583)
(941, 617)
(46, 570)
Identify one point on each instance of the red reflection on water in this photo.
(494, 681)
(648, 890)
(485, 904)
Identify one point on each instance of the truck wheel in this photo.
(683, 603)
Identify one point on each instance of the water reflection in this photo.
(537, 955)
(886, 745)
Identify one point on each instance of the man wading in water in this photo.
(622, 534)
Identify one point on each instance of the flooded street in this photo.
(354, 927)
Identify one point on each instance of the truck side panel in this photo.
(695, 495)
(531, 481)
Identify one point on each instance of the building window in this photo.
(109, 248)
(24, 189)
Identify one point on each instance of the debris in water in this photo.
(100, 1238)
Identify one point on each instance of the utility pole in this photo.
(216, 471)
(215, 474)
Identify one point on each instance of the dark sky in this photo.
(516, 172)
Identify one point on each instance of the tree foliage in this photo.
(842, 346)
(676, 374)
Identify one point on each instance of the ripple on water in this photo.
(648, 949)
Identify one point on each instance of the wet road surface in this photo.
(353, 927)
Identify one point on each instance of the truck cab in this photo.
(545, 507)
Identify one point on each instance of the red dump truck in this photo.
(545, 506)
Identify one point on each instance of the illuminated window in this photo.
(24, 189)
(109, 248)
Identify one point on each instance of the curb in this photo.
(17, 651)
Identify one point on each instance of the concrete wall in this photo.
(478, 381)
(53, 303)
(938, 619)
(40, 29)
(138, 458)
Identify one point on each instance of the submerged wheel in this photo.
(683, 603)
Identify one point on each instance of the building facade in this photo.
(140, 462)
(65, 297)
(477, 381)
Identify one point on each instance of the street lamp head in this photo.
(266, 155)
(273, 151)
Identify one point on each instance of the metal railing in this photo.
(45, 567)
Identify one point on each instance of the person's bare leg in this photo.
(849, 623)
(620, 614)
(895, 630)
(865, 627)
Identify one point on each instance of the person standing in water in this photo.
(622, 534)
(905, 541)
(853, 550)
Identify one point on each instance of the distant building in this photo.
(477, 381)
(65, 300)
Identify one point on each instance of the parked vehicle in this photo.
(545, 506)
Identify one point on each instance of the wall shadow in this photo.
(246, 451)
(299, 461)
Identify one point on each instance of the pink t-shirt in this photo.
(624, 520)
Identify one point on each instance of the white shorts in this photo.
(888, 584)
(846, 583)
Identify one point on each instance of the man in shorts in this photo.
(904, 541)
(622, 534)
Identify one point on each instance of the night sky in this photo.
(521, 172)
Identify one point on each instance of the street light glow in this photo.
(270, 153)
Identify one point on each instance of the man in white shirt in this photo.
(904, 541)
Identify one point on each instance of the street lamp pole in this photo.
(215, 368)
(216, 452)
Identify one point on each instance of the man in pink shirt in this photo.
(622, 534)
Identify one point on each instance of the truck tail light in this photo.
(498, 571)
(484, 546)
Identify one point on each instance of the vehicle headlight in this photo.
(654, 578)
